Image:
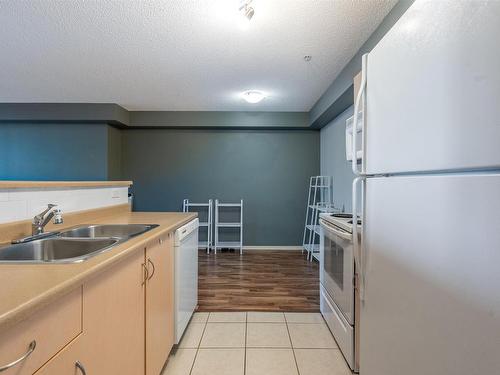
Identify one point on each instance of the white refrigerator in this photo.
(429, 255)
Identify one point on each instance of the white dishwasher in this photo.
(186, 275)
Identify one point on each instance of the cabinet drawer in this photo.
(67, 361)
(51, 328)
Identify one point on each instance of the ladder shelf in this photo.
(319, 200)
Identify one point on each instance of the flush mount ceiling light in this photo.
(253, 96)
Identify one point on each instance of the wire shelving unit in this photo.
(218, 225)
(188, 206)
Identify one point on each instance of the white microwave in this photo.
(359, 137)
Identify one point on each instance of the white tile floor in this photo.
(257, 343)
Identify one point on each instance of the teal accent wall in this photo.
(30, 151)
(114, 153)
(269, 170)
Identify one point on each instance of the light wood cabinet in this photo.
(119, 322)
(113, 319)
(159, 303)
(41, 336)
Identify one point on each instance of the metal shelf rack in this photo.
(188, 206)
(236, 224)
(319, 200)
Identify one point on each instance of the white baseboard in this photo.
(273, 248)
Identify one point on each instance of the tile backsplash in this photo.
(21, 204)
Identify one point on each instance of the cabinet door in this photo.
(68, 361)
(159, 303)
(113, 313)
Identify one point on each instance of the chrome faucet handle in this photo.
(38, 218)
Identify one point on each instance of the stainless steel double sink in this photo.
(73, 245)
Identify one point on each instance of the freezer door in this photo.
(432, 277)
(433, 90)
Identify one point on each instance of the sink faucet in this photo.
(41, 220)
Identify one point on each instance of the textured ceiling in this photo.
(179, 54)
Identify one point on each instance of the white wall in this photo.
(333, 161)
(21, 204)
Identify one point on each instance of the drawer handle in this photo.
(153, 265)
(31, 348)
(80, 367)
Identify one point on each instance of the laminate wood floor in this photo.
(258, 281)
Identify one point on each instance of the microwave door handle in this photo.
(359, 97)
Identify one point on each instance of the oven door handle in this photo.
(336, 231)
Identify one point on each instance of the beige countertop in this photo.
(25, 288)
(59, 184)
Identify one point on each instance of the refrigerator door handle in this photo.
(362, 249)
(357, 245)
(359, 100)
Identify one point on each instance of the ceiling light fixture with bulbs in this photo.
(253, 96)
(246, 9)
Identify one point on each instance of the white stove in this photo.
(338, 294)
